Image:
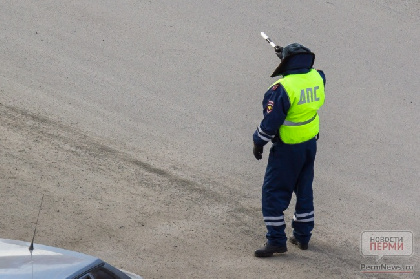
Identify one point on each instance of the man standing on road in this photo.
(291, 122)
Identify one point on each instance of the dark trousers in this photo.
(290, 169)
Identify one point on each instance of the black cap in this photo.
(288, 52)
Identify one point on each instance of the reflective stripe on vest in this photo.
(290, 123)
(306, 96)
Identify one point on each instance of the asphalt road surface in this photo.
(135, 120)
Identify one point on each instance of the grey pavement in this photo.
(179, 84)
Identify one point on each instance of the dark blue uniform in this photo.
(290, 166)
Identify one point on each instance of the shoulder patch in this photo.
(270, 106)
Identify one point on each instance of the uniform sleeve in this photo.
(276, 104)
(322, 74)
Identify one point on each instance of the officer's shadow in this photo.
(321, 255)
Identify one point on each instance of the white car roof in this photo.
(46, 262)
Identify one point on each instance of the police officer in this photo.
(291, 122)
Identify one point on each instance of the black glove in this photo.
(279, 52)
(258, 151)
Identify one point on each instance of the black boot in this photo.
(302, 246)
(268, 250)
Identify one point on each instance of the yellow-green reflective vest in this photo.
(306, 95)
